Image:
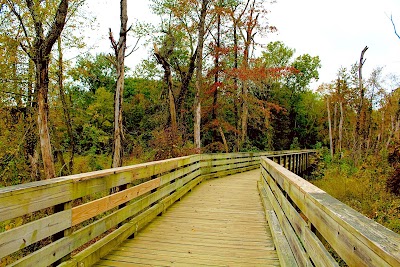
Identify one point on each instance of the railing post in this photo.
(58, 208)
(285, 161)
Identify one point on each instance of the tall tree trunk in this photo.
(199, 75)
(221, 132)
(250, 26)
(43, 125)
(67, 116)
(31, 143)
(235, 83)
(172, 110)
(168, 80)
(245, 91)
(186, 77)
(361, 116)
(119, 50)
(330, 126)
(216, 76)
(237, 100)
(334, 134)
(340, 126)
(39, 52)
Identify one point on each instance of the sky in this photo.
(336, 31)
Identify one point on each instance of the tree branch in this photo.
(57, 27)
(11, 6)
(135, 48)
(394, 26)
(38, 24)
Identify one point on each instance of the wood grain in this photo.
(357, 239)
(220, 223)
(93, 208)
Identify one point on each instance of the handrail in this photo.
(305, 220)
(69, 213)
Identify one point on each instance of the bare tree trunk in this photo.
(216, 76)
(334, 135)
(199, 75)
(172, 110)
(186, 77)
(67, 116)
(168, 80)
(43, 110)
(236, 102)
(250, 26)
(340, 126)
(31, 143)
(119, 50)
(39, 52)
(235, 84)
(361, 116)
(221, 132)
(330, 126)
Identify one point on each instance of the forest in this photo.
(208, 87)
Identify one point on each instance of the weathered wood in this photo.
(357, 239)
(299, 253)
(286, 257)
(27, 234)
(229, 172)
(167, 177)
(96, 207)
(104, 246)
(18, 200)
(220, 222)
(312, 244)
(58, 249)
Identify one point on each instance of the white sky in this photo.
(336, 31)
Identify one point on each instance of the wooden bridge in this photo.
(174, 213)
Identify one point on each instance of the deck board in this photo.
(220, 223)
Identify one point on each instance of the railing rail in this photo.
(42, 223)
(305, 221)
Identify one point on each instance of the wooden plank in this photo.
(94, 208)
(168, 177)
(299, 253)
(229, 172)
(92, 254)
(222, 235)
(233, 166)
(184, 255)
(310, 242)
(62, 247)
(233, 161)
(286, 257)
(27, 234)
(362, 241)
(22, 199)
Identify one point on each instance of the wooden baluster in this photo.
(62, 234)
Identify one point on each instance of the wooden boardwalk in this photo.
(220, 223)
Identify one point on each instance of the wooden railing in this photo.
(306, 222)
(75, 220)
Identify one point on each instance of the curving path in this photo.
(220, 223)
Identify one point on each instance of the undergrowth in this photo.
(363, 187)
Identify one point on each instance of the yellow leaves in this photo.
(10, 224)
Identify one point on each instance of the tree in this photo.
(38, 46)
(163, 57)
(199, 74)
(361, 110)
(119, 51)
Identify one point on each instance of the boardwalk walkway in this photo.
(220, 223)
